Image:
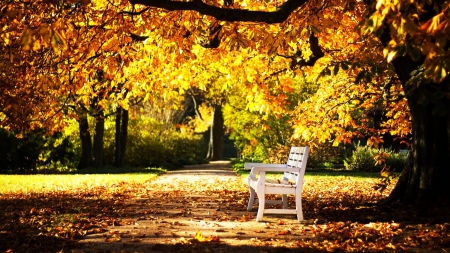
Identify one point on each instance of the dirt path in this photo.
(208, 199)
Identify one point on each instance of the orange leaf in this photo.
(285, 232)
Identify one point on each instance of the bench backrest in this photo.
(298, 157)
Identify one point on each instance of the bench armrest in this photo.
(257, 170)
(249, 166)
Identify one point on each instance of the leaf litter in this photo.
(208, 213)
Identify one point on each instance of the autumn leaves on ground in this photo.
(204, 211)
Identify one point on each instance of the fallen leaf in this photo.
(285, 232)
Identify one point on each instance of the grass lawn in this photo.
(50, 183)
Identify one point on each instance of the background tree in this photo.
(77, 54)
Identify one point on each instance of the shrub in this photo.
(20, 154)
(152, 144)
(34, 151)
(326, 156)
(363, 158)
(188, 151)
(145, 152)
(397, 160)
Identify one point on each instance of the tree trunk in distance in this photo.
(98, 140)
(124, 132)
(121, 136)
(209, 155)
(218, 133)
(118, 138)
(85, 137)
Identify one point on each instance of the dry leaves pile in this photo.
(207, 213)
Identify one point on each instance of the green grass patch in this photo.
(52, 183)
(103, 170)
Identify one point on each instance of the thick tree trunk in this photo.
(98, 140)
(425, 178)
(85, 137)
(431, 158)
(429, 173)
(121, 136)
(218, 134)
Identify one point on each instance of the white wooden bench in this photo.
(290, 183)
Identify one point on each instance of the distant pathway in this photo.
(206, 173)
(212, 168)
(198, 179)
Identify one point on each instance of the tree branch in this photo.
(227, 14)
(197, 112)
(133, 13)
(297, 59)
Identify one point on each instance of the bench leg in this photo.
(298, 206)
(261, 206)
(251, 200)
(260, 191)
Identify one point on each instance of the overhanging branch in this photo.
(227, 14)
